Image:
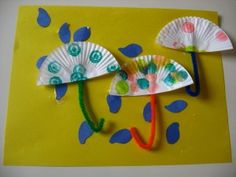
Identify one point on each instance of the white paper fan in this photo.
(76, 61)
(149, 74)
(194, 34)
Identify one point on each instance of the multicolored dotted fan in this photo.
(149, 75)
(76, 62)
(194, 34)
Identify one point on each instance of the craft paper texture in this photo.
(43, 131)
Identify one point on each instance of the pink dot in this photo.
(151, 77)
(221, 36)
(188, 27)
(131, 77)
(133, 86)
(152, 80)
(174, 44)
(153, 87)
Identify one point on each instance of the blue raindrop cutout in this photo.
(172, 133)
(147, 115)
(82, 34)
(64, 33)
(131, 50)
(114, 103)
(122, 136)
(60, 90)
(176, 106)
(43, 19)
(84, 132)
(40, 61)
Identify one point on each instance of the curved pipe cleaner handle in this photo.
(99, 126)
(196, 77)
(135, 135)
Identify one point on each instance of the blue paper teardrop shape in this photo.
(147, 115)
(84, 132)
(114, 103)
(82, 34)
(176, 106)
(122, 136)
(131, 50)
(40, 61)
(172, 133)
(43, 19)
(60, 90)
(64, 33)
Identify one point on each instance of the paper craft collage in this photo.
(104, 86)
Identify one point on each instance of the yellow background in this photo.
(42, 131)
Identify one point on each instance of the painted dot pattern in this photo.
(95, 56)
(143, 83)
(112, 68)
(123, 75)
(54, 67)
(181, 75)
(122, 87)
(170, 67)
(221, 36)
(169, 80)
(188, 27)
(152, 68)
(149, 76)
(79, 69)
(77, 77)
(74, 49)
(55, 80)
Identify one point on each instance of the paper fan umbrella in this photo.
(193, 35)
(77, 62)
(149, 75)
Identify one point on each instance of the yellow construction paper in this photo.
(43, 131)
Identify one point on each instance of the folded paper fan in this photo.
(194, 34)
(76, 61)
(150, 74)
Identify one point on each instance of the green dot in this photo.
(74, 49)
(169, 80)
(123, 75)
(54, 67)
(170, 67)
(55, 80)
(190, 48)
(181, 75)
(122, 87)
(143, 83)
(95, 56)
(79, 69)
(152, 68)
(112, 68)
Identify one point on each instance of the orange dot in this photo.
(188, 27)
(221, 36)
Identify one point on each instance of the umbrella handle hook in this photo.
(134, 132)
(196, 77)
(83, 107)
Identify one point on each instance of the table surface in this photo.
(227, 12)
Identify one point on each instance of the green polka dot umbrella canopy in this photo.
(75, 62)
